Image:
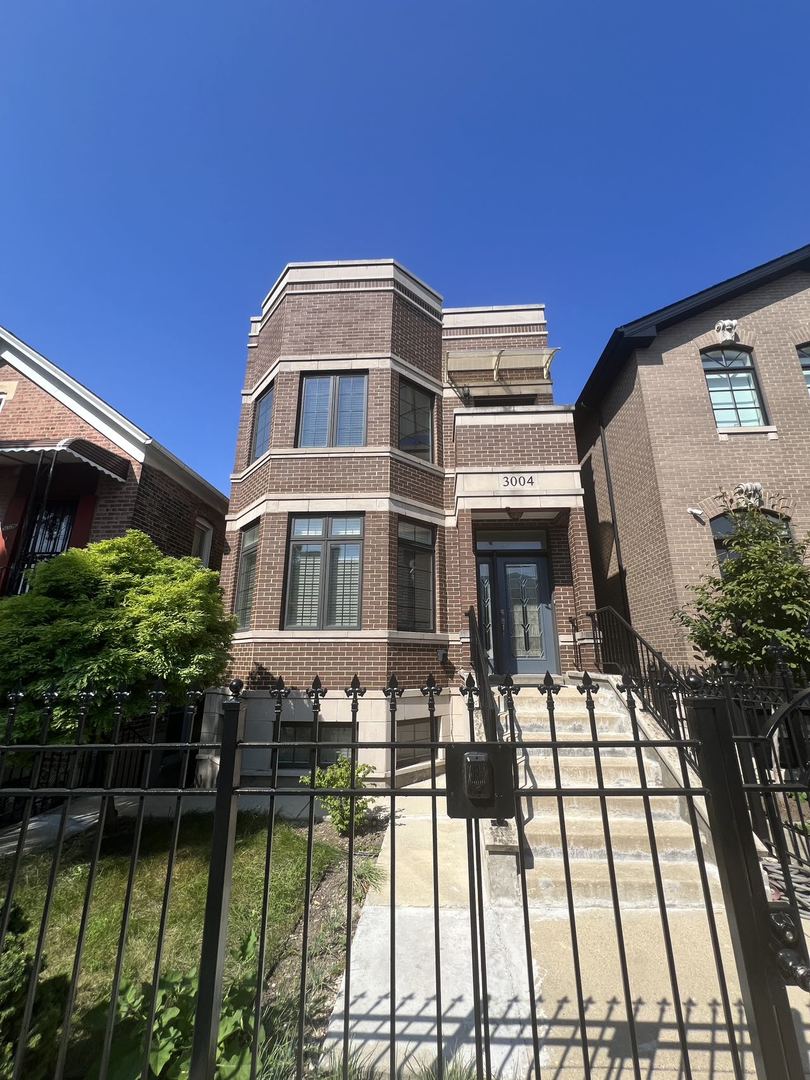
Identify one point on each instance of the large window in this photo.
(415, 577)
(415, 421)
(262, 420)
(333, 410)
(724, 528)
(804, 359)
(323, 576)
(733, 388)
(246, 575)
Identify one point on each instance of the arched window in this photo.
(723, 528)
(733, 388)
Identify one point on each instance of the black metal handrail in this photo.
(481, 665)
(621, 650)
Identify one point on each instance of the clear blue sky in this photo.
(163, 160)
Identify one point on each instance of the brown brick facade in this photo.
(330, 318)
(667, 455)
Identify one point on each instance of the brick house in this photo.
(707, 395)
(73, 470)
(396, 464)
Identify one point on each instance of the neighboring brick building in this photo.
(73, 470)
(703, 396)
(395, 465)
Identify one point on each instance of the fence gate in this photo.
(551, 886)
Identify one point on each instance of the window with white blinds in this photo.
(333, 410)
(325, 572)
(246, 575)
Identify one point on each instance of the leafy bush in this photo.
(115, 615)
(759, 599)
(16, 964)
(173, 1032)
(339, 807)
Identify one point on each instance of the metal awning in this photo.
(67, 451)
(493, 359)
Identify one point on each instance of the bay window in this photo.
(414, 577)
(324, 572)
(333, 410)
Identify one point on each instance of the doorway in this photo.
(516, 613)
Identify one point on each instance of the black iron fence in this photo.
(232, 931)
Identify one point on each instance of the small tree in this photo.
(115, 615)
(758, 599)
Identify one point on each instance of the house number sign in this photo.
(516, 480)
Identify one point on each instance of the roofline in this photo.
(347, 266)
(640, 333)
(101, 415)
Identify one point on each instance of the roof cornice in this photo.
(640, 333)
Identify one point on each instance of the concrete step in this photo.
(590, 882)
(580, 770)
(630, 806)
(630, 838)
(574, 726)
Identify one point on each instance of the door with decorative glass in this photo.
(516, 613)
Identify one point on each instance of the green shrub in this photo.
(16, 964)
(339, 807)
(173, 1032)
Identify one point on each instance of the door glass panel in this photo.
(523, 592)
(485, 594)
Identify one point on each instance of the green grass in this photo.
(189, 882)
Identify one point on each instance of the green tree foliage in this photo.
(759, 599)
(115, 615)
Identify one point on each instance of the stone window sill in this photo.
(769, 431)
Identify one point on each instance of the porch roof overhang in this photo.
(67, 451)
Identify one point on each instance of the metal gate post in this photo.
(218, 894)
(774, 1043)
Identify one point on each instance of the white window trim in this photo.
(208, 530)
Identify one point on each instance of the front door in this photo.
(516, 614)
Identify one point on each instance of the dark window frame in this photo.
(431, 428)
(292, 756)
(334, 397)
(245, 593)
(256, 428)
(707, 356)
(803, 352)
(722, 533)
(421, 548)
(327, 540)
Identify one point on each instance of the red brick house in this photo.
(396, 464)
(74, 470)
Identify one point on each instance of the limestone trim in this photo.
(347, 361)
(402, 637)
(338, 452)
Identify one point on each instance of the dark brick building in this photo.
(707, 395)
(396, 464)
(74, 470)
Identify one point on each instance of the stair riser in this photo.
(591, 893)
(665, 807)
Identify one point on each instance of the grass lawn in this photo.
(187, 903)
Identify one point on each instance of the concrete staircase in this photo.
(586, 843)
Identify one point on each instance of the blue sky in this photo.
(163, 160)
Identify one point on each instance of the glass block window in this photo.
(415, 421)
(262, 420)
(333, 410)
(415, 577)
(246, 575)
(733, 388)
(804, 359)
(324, 572)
